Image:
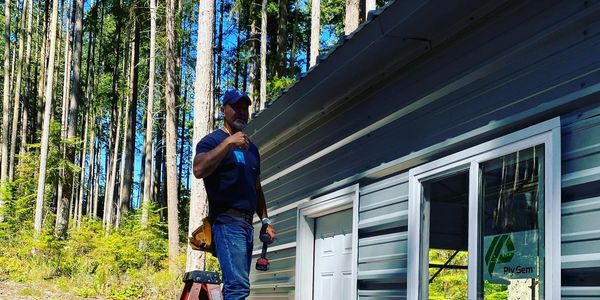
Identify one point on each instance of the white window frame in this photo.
(547, 133)
(305, 236)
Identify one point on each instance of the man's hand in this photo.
(239, 140)
(270, 231)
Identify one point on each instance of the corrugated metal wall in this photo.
(278, 282)
(382, 243)
(383, 238)
(523, 63)
(581, 205)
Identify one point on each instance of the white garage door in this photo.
(333, 256)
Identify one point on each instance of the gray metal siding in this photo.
(538, 63)
(521, 64)
(581, 205)
(278, 282)
(382, 243)
(285, 224)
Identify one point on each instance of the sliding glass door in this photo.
(484, 223)
(511, 194)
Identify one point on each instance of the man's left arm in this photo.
(261, 211)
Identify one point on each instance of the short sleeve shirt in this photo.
(233, 183)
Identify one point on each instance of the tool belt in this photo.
(201, 238)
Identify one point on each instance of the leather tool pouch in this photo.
(201, 238)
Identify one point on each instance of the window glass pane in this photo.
(446, 209)
(512, 231)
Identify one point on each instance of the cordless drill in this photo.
(262, 263)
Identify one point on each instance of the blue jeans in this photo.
(234, 242)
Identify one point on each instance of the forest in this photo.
(103, 102)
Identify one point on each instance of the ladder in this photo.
(201, 285)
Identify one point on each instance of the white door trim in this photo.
(337, 201)
(547, 133)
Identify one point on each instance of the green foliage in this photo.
(448, 284)
(129, 263)
(332, 16)
(277, 85)
(495, 291)
(452, 284)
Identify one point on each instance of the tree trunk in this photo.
(96, 173)
(282, 38)
(25, 138)
(238, 50)
(149, 118)
(64, 183)
(245, 78)
(122, 169)
(89, 95)
(203, 97)
(162, 167)
(6, 96)
(352, 16)
(315, 31)
(253, 67)
(43, 66)
(294, 37)
(46, 125)
(127, 179)
(143, 167)
(74, 99)
(114, 139)
(107, 154)
(171, 137)
(109, 199)
(369, 6)
(263, 55)
(79, 211)
(17, 98)
(219, 54)
(182, 138)
(91, 167)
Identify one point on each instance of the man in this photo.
(229, 163)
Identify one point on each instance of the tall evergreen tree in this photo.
(17, 97)
(46, 125)
(282, 38)
(149, 117)
(202, 114)
(171, 136)
(132, 114)
(315, 30)
(263, 55)
(6, 96)
(352, 16)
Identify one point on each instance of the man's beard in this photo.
(239, 124)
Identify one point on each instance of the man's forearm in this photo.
(206, 163)
(261, 207)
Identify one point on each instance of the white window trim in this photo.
(547, 133)
(337, 201)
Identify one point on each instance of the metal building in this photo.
(469, 126)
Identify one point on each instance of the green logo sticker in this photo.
(493, 256)
(511, 255)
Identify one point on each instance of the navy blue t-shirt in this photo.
(233, 183)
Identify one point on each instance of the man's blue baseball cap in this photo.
(231, 97)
